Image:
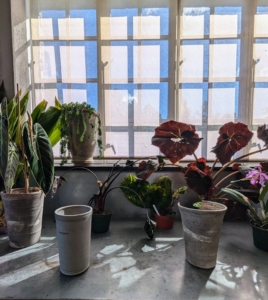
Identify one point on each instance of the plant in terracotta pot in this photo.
(80, 132)
(158, 196)
(202, 226)
(101, 214)
(26, 148)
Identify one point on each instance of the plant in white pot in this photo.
(202, 222)
(80, 132)
(26, 148)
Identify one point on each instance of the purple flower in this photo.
(257, 176)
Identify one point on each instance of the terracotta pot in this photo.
(260, 238)
(164, 222)
(24, 213)
(201, 229)
(83, 152)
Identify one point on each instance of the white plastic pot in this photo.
(73, 225)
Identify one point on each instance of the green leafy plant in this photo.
(159, 193)
(25, 145)
(68, 112)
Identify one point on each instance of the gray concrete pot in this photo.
(83, 152)
(24, 213)
(201, 229)
(73, 226)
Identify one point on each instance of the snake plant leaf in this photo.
(12, 166)
(38, 111)
(42, 167)
(50, 122)
(3, 137)
(13, 113)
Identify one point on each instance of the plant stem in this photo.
(235, 160)
(214, 164)
(226, 177)
(195, 156)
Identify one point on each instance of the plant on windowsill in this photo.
(176, 140)
(101, 214)
(80, 124)
(158, 196)
(26, 147)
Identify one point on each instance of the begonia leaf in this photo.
(176, 140)
(262, 134)
(198, 181)
(233, 137)
(145, 169)
(201, 164)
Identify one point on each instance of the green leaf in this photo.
(12, 166)
(57, 103)
(49, 119)
(3, 137)
(235, 195)
(13, 113)
(38, 111)
(55, 135)
(42, 167)
(197, 205)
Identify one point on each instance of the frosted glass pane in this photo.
(190, 110)
(212, 137)
(223, 62)
(146, 64)
(191, 60)
(73, 64)
(198, 151)
(146, 107)
(261, 25)
(56, 150)
(147, 27)
(45, 64)
(223, 26)
(192, 26)
(258, 156)
(221, 106)
(260, 106)
(261, 68)
(72, 28)
(113, 28)
(143, 146)
(46, 94)
(74, 95)
(116, 108)
(42, 29)
(115, 60)
(117, 143)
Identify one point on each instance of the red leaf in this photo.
(176, 140)
(201, 164)
(262, 134)
(235, 167)
(233, 137)
(145, 169)
(198, 181)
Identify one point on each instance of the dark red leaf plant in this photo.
(176, 140)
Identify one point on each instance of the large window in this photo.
(143, 62)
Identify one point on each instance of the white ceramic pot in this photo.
(73, 225)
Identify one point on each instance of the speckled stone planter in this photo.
(201, 229)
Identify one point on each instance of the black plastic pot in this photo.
(260, 238)
(101, 223)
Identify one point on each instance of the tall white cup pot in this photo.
(73, 225)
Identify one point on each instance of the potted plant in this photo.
(101, 216)
(158, 196)
(258, 215)
(80, 124)
(26, 147)
(202, 226)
